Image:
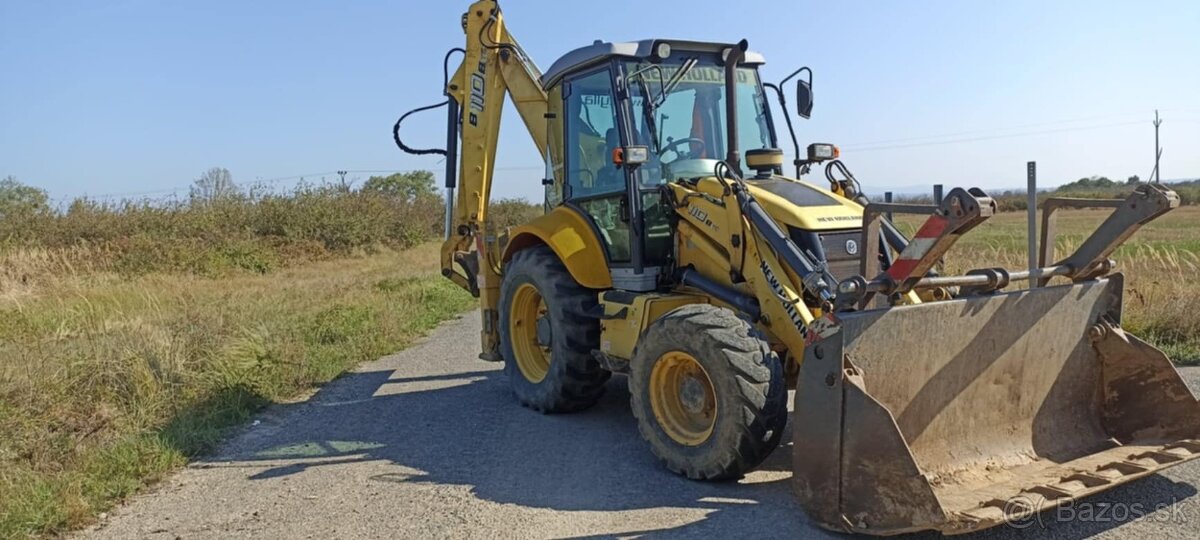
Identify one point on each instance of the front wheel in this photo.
(708, 393)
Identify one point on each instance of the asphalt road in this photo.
(430, 443)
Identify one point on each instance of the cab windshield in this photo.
(686, 131)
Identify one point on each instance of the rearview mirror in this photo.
(804, 98)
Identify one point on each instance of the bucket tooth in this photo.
(1158, 457)
(1087, 480)
(1192, 447)
(1125, 468)
(1050, 492)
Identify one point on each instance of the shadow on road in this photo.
(467, 429)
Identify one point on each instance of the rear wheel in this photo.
(708, 393)
(546, 337)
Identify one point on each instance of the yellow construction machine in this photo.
(922, 401)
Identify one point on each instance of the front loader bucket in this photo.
(963, 414)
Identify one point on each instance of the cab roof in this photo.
(601, 51)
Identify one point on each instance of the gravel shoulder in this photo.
(430, 443)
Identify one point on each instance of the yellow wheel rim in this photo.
(683, 398)
(528, 312)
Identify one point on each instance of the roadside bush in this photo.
(511, 212)
(236, 231)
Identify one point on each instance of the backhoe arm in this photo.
(494, 65)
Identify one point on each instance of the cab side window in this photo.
(591, 137)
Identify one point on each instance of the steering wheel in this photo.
(671, 147)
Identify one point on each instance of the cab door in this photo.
(594, 185)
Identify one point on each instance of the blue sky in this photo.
(139, 96)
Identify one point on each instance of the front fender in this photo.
(572, 238)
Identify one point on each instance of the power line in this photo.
(856, 147)
(988, 137)
(986, 130)
(167, 192)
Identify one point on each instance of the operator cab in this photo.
(667, 96)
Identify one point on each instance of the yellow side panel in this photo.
(572, 239)
(628, 315)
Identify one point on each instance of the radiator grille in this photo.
(842, 252)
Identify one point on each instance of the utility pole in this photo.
(343, 175)
(1157, 149)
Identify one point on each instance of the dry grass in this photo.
(1162, 297)
(110, 381)
(134, 333)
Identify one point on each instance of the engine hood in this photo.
(803, 205)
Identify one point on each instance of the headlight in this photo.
(822, 152)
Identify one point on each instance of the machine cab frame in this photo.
(597, 106)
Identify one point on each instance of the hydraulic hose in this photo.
(445, 84)
(417, 151)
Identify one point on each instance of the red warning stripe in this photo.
(933, 227)
(901, 269)
(926, 237)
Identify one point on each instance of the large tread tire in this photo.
(575, 380)
(748, 383)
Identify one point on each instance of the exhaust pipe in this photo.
(734, 57)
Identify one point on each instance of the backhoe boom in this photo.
(493, 66)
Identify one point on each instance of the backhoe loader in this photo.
(674, 250)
